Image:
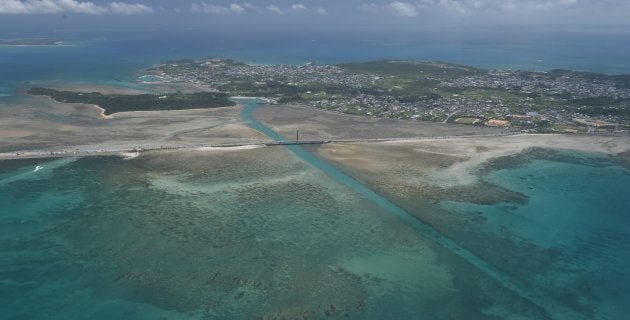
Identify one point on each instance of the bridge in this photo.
(96, 150)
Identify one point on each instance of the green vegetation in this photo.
(113, 103)
(411, 69)
(266, 89)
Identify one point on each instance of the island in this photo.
(548, 101)
(30, 42)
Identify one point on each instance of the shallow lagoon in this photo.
(241, 234)
(569, 240)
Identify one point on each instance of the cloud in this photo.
(321, 11)
(413, 8)
(252, 7)
(369, 7)
(129, 8)
(461, 7)
(204, 7)
(81, 7)
(69, 6)
(247, 7)
(480, 6)
(49, 6)
(236, 8)
(275, 9)
(403, 9)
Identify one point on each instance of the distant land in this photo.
(30, 42)
(553, 101)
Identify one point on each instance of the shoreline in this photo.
(510, 145)
(127, 153)
(456, 162)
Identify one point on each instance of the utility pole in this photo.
(297, 135)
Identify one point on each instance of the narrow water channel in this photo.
(535, 296)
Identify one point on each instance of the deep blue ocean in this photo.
(278, 233)
(112, 57)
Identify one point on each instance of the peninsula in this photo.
(113, 103)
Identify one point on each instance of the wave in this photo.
(28, 173)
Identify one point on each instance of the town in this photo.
(551, 101)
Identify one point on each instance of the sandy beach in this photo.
(37, 126)
(234, 148)
(427, 169)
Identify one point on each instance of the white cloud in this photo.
(235, 8)
(129, 8)
(49, 6)
(369, 7)
(403, 9)
(459, 6)
(467, 6)
(250, 6)
(19, 7)
(70, 6)
(321, 11)
(275, 9)
(81, 7)
(247, 7)
(204, 7)
(413, 8)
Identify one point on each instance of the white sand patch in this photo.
(479, 150)
(16, 133)
(177, 184)
(234, 148)
(130, 155)
(102, 112)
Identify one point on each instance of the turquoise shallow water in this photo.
(574, 225)
(271, 233)
(225, 236)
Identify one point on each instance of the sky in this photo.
(41, 17)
